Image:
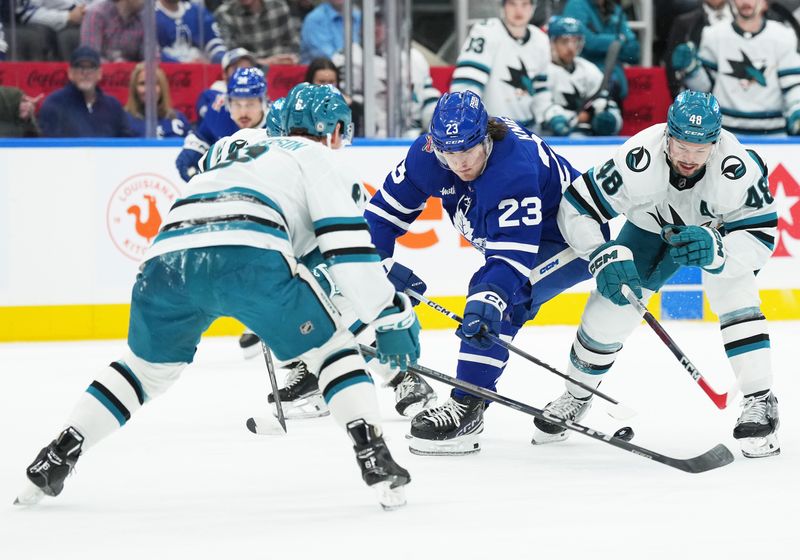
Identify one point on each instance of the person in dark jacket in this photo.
(17, 113)
(81, 109)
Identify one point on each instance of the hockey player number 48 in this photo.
(509, 206)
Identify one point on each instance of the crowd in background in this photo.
(310, 32)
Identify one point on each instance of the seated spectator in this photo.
(687, 29)
(298, 10)
(187, 33)
(215, 95)
(114, 29)
(170, 123)
(322, 33)
(80, 108)
(605, 22)
(576, 82)
(262, 27)
(17, 113)
(3, 44)
(322, 72)
(49, 29)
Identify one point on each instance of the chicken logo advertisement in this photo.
(136, 211)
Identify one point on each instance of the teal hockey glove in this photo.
(684, 59)
(397, 334)
(612, 266)
(696, 246)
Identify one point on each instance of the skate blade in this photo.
(758, 447)
(542, 438)
(29, 496)
(415, 408)
(390, 498)
(312, 406)
(464, 445)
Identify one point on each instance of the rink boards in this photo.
(76, 217)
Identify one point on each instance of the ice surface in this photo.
(185, 479)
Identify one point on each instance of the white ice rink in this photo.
(185, 479)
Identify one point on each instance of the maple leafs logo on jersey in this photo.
(745, 70)
(520, 79)
(463, 225)
(733, 168)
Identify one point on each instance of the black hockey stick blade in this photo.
(714, 458)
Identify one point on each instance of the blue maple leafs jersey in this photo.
(188, 34)
(505, 213)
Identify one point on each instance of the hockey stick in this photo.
(718, 456)
(721, 400)
(266, 425)
(619, 411)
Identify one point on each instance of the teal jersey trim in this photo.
(115, 412)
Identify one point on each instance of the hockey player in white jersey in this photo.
(300, 396)
(504, 60)
(751, 66)
(576, 83)
(231, 247)
(692, 195)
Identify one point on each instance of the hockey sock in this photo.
(747, 345)
(348, 389)
(588, 361)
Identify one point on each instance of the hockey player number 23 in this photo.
(509, 206)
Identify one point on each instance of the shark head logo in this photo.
(638, 159)
(733, 168)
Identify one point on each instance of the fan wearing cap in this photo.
(245, 107)
(214, 96)
(501, 187)
(692, 196)
(81, 108)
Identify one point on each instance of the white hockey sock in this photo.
(747, 345)
(588, 361)
(348, 389)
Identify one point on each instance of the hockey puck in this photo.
(625, 434)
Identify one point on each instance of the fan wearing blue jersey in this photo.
(187, 32)
(245, 107)
(501, 186)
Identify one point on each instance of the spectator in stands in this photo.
(576, 83)
(170, 123)
(80, 108)
(687, 29)
(298, 10)
(17, 113)
(605, 22)
(3, 44)
(187, 33)
(322, 33)
(114, 29)
(262, 27)
(48, 28)
(753, 69)
(505, 60)
(424, 96)
(215, 95)
(322, 72)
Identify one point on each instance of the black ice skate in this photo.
(756, 429)
(412, 394)
(378, 469)
(51, 467)
(449, 429)
(300, 396)
(567, 407)
(250, 345)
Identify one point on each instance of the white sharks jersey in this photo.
(287, 194)
(571, 89)
(755, 77)
(509, 74)
(730, 193)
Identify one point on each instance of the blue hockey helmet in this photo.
(315, 110)
(560, 26)
(275, 117)
(694, 117)
(459, 122)
(247, 82)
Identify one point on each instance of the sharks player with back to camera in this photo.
(501, 187)
(693, 196)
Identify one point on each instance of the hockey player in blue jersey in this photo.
(245, 107)
(501, 186)
(233, 246)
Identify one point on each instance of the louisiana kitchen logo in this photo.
(136, 210)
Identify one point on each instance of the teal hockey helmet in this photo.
(275, 117)
(560, 26)
(314, 110)
(694, 117)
